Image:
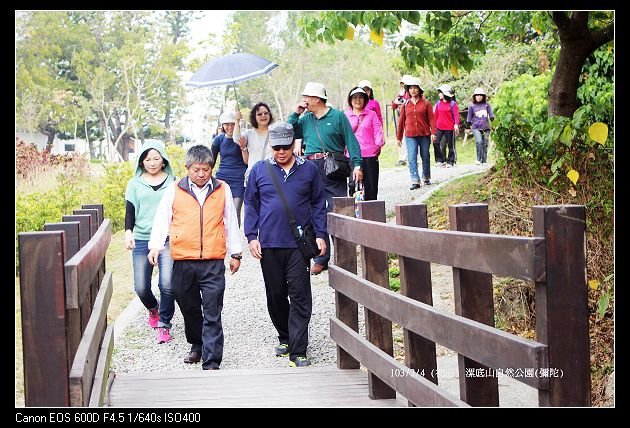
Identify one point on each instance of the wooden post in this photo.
(346, 309)
(473, 300)
(84, 226)
(73, 315)
(415, 282)
(87, 309)
(42, 296)
(101, 273)
(71, 230)
(562, 305)
(99, 210)
(378, 329)
(93, 213)
(72, 246)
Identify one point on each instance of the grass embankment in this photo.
(510, 212)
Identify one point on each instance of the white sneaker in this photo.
(448, 165)
(438, 164)
(484, 164)
(477, 163)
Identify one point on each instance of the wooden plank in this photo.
(415, 283)
(306, 387)
(99, 209)
(84, 227)
(514, 256)
(84, 365)
(101, 376)
(412, 386)
(562, 304)
(474, 300)
(44, 347)
(378, 330)
(84, 265)
(346, 309)
(93, 213)
(71, 229)
(462, 335)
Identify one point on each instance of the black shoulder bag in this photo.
(336, 165)
(304, 238)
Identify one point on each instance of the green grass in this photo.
(466, 153)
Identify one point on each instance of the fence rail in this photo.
(554, 259)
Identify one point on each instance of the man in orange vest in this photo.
(198, 214)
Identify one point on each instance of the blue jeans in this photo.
(481, 138)
(423, 143)
(142, 271)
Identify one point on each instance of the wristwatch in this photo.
(237, 256)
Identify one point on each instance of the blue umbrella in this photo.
(230, 70)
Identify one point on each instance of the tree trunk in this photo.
(577, 42)
(564, 85)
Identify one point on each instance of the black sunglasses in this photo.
(282, 147)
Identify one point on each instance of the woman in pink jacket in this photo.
(369, 131)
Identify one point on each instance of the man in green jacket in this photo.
(323, 130)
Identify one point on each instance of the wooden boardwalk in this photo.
(272, 387)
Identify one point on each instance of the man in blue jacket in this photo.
(285, 270)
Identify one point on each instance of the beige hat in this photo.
(364, 83)
(314, 89)
(479, 91)
(281, 134)
(411, 81)
(446, 90)
(227, 117)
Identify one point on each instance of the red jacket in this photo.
(416, 120)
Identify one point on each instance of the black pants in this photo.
(333, 187)
(444, 139)
(289, 298)
(199, 286)
(370, 178)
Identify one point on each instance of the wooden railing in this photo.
(557, 363)
(65, 293)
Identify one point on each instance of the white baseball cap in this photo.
(365, 83)
(314, 89)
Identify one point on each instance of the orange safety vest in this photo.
(197, 231)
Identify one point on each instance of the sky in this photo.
(195, 124)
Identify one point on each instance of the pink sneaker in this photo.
(154, 317)
(164, 335)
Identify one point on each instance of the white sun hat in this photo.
(364, 83)
(446, 90)
(227, 117)
(411, 81)
(314, 89)
(479, 91)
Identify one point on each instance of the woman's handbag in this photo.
(336, 165)
(304, 237)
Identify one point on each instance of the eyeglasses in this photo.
(262, 113)
(282, 147)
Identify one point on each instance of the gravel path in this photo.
(249, 335)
